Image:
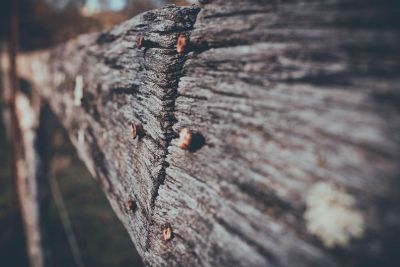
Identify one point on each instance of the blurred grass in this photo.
(12, 241)
(101, 237)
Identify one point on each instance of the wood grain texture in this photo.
(121, 85)
(292, 97)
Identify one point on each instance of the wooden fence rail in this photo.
(291, 150)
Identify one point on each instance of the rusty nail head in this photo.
(189, 140)
(137, 130)
(167, 232)
(139, 42)
(181, 44)
(185, 138)
(131, 205)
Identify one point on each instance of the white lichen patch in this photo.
(78, 91)
(81, 138)
(331, 215)
(26, 114)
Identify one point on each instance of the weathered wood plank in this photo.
(297, 101)
(99, 85)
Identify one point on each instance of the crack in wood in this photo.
(168, 118)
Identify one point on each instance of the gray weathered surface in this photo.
(290, 96)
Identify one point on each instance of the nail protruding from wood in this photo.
(167, 232)
(139, 42)
(185, 138)
(131, 205)
(137, 131)
(189, 140)
(181, 44)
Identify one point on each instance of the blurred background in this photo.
(76, 209)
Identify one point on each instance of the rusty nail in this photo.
(189, 140)
(131, 205)
(167, 232)
(139, 42)
(185, 137)
(137, 130)
(181, 44)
